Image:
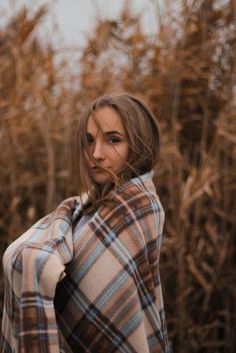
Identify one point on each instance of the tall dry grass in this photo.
(186, 73)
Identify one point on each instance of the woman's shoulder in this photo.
(139, 188)
(42, 231)
(136, 195)
(50, 235)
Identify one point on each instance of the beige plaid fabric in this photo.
(95, 291)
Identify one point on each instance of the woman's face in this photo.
(107, 144)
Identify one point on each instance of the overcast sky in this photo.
(73, 20)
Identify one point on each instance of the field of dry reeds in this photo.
(187, 74)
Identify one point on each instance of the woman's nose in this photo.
(98, 152)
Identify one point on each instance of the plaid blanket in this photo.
(95, 291)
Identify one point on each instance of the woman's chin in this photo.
(101, 178)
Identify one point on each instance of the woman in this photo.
(85, 278)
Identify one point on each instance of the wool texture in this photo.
(94, 291)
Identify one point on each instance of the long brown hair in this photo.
(143, 137)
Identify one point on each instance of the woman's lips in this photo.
(99, 169)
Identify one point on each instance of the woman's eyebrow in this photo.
(113, 132)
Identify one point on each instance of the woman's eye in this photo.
(89, 139)
(114, 140)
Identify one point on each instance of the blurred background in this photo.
(180, 57)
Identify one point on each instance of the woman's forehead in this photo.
(105, 119)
